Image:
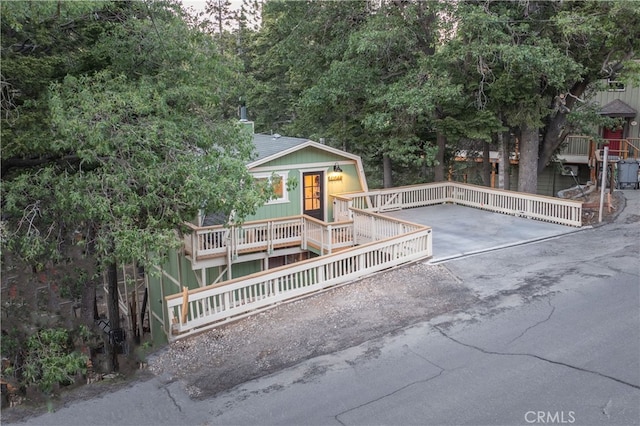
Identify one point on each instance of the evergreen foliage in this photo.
(126, 138)
(393, 80)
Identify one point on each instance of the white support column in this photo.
(604, 181)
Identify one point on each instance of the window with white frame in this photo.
(278, 181)
(615, 86)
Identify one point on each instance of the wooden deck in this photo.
(362, 242)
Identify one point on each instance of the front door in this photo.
(313, 194)
(613, 136)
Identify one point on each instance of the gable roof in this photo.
(270, 147)
(617, 108)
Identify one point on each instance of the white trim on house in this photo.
(255, 166)
(303, 145)
(325, 187)
(284, 175)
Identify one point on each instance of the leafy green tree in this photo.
(130, 150)
(460, 71)
(292, 50)
(51, 359)
(327, 70)
(523, 58)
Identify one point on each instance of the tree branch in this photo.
(23, 163)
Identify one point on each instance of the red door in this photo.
(613, 136)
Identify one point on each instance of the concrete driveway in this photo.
(461, 231)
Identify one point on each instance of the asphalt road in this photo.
(560, 345)
(570, 356)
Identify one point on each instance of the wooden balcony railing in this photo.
(549, 209)
(576, 145)
(374, 242)
(327, 237)
(580, 145)
(265, 235)
(620, 148)
(304, 231)
(384, 243)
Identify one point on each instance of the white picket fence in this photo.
(549, 209)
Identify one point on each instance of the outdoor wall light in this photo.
(337, 168)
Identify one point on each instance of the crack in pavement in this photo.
(408, 385)
(172, 399)
(426, 360)
(553, 309)
(584, 370)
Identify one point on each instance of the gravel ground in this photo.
(339, 318)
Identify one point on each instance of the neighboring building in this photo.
(580, 159)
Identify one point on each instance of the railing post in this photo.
(167, 323)
(374, 229)
(303, 230)
(194, 246)
(320, 274)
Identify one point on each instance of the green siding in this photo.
(160, 286)
(295, 164)
(350, 183)
(309, 155)
(631, 97)
(246, 268)
(550, 181)
(282, 209)
(156, 305)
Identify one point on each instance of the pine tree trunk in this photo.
(87, 303)
(439, 167)
(528, 164)
(504, 166)
(486, 164)
(114, 316)
(387, 176)
(556, 129)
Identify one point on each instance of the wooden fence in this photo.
(393, 243)
(549, 209)
(368, 241)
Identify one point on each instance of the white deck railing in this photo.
(549, 209)
(327, 237)
(382, 242)
(204, 308)
(265, 235)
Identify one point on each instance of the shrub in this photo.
(51, 360)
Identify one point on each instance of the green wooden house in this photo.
(310, 173)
